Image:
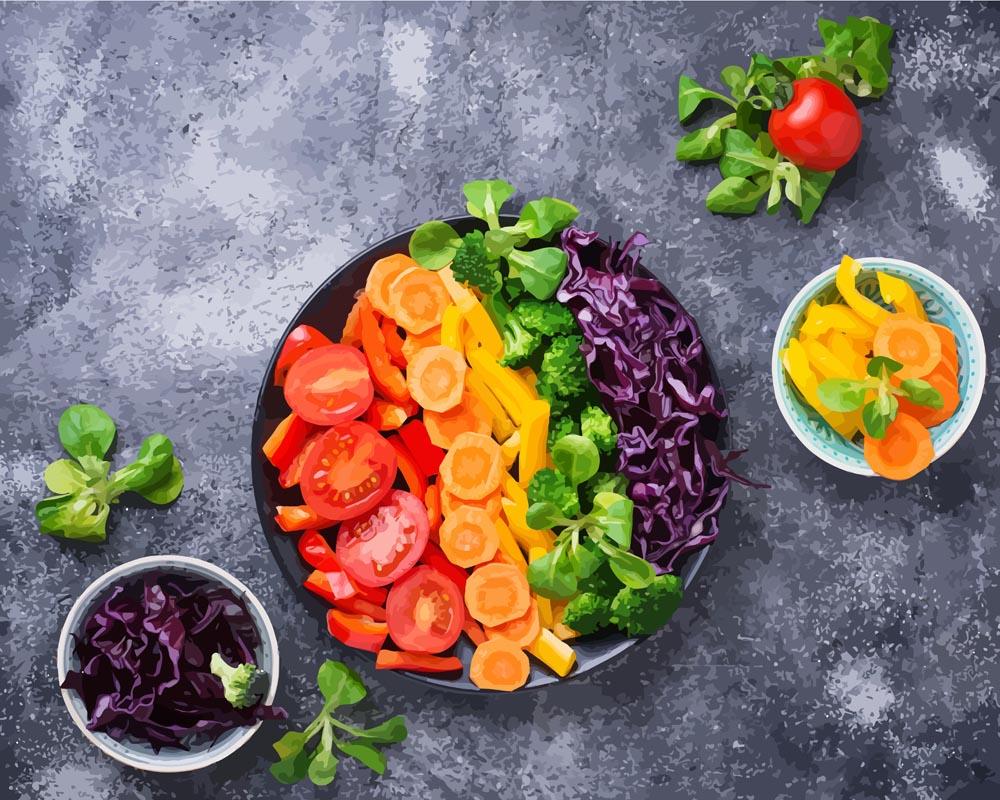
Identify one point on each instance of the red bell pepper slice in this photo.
(287, 440)
(387, 376)
(352, 327)
(433, 556)
(473, 630)
(416, 662)
(319, 583)
(300, 518)
(332, 586)
(432, 499)
(415, 479)
(292, 474)
(317, 553)
(393, 342)
(384, 415)
(356, 630)
(299, 342)
(427, 455)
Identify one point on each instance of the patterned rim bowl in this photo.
(139, 754)
(943, 305)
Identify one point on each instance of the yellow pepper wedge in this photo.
(847, 275)
(510, 449)
(527, 374)
(509, 546)
(835, 317)
(826, 363)
(849, 351)
(451, 328)
(524, 535)
(475, 315)
(506, 384)
(553, 652)
(796, 364)
(534, 441)
(503, 427)
(543, 603)
(560, 628)
(901, 295)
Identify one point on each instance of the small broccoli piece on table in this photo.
(564, 370)
(596, 424)
(472, 264)
(644, 611)
(604, 482)
(587, 612)
(518, 343)
(559, 427)
(546, 317)
(237, 682)
(549, 486)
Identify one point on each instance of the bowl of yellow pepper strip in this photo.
(878, 367)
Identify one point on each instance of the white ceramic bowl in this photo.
(943, 305)
(139, 754)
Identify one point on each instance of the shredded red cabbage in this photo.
(144, 661)
(645, 355)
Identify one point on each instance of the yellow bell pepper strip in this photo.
(508, 544)
(515, 504)
(560, 628)
(510, 449)
(502, 426)
(901, 295)
(796, 364)
(835, 317)
(828, 365)
(849, 351)
(527, 374)
(553, 652)
(847, 275)
(534, 440)
(451, 328)
(478, 321)
(506, 384)
(543, 603)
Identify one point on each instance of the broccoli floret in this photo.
(546, 317)
(237, 682)
(472, 264)
(549, 486)
(564, 370)
(644, 611)
(587, 612)
(602, 581)
(518, 343)
(604, 482)
(596, 424)
(559, 427)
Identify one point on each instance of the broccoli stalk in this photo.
(237, 682)
(644, 611)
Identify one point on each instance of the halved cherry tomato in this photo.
(287, 440)
(356, 630)
(299, 342)
(425, 611)
(329, 385)
(348, 472)
(378, 548)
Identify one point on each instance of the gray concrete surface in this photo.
(177, 178)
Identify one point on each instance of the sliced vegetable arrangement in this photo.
(879, 375)
(459, 471)
(791, 123)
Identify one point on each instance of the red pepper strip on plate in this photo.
(473, 630)
(416, 662)
(300, 518)
(287, 440)
(352, 327)
(434, 557)
(356, 630)
(333, 585)
(393, 342)
(318, 583)
(387, 377)
(317, 553)
(292, 474)
(427, 455)
(299, 342)
(384, 415)
(415, 479)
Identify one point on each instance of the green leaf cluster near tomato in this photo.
(340, 686)
(790, 123)
(487, 260)
(83, 491)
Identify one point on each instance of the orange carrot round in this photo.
(415, 342)
(949, 348)
(417, 299)
(491, 504)
(498, 664)
(473, 466)
(521, 631)
(946, 382)
(380, 278)
(911, 342)
(497, 593)
(470, 415)
(435, 378)
(905, 450)
(468, 537)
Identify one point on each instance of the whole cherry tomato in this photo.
(819, 129)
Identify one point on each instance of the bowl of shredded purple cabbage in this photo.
(136, 665)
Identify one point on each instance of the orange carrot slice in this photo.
(912, 343)
(904, 451)
(415, 342)
(521, 631)
(946, 382)
(491, 504)
(383, 273)
(497, 593)
(949, 349)
(417, 300)
(435, 378)
(471, 414)
(473, 466)
(498, 664)
(468, 537)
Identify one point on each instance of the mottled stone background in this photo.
(177, 178)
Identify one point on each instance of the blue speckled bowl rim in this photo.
(140, 755)
(972, 357)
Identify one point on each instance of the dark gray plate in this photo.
(326, 310)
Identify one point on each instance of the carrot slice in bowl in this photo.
(435, 378)
(471, 414)
(949, 348)
(912, 343)
(946, 382)
(473, 466)
(905, 450)
(383, 273)
(498, 664)
(417, 300)
(468, 537)
(497, 593)
(521, 631)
